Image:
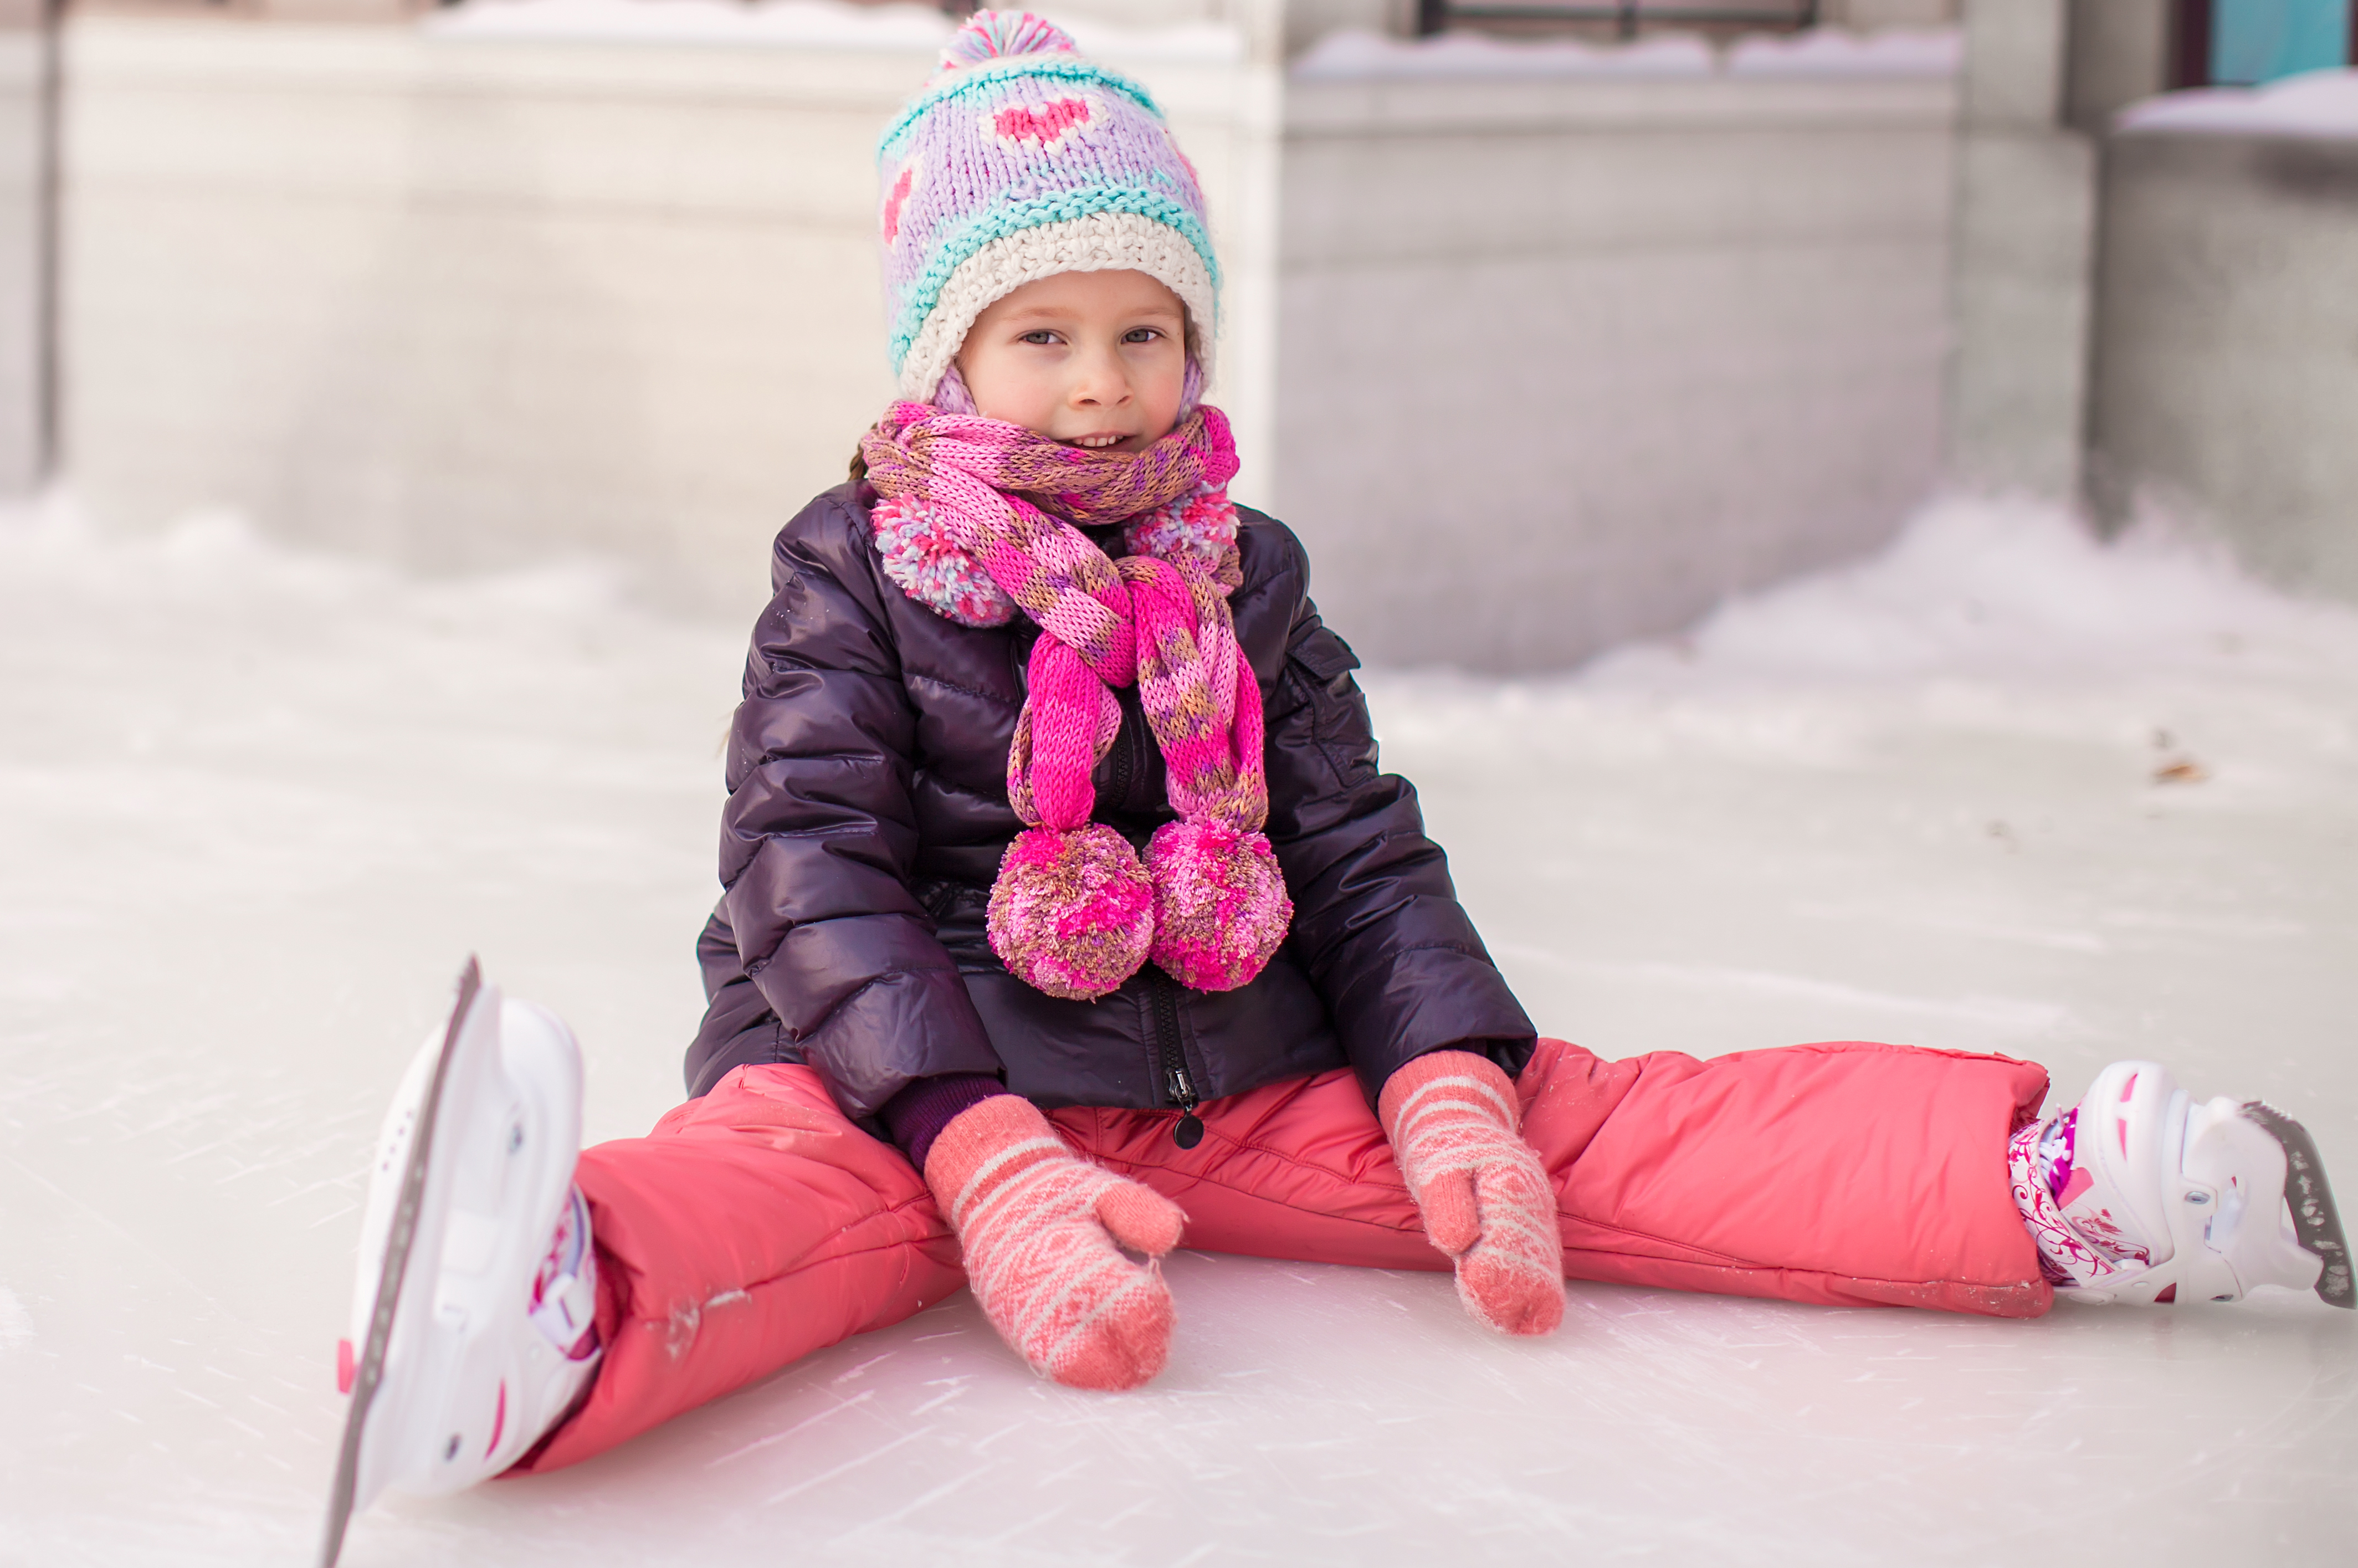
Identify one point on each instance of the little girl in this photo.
(1068, 915)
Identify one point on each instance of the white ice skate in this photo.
(474, 1328)
(2196, 1201)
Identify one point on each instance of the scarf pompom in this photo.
(1220, 908)
(1201, 527)
(1072, 914)
(980, 521)
(926, 561)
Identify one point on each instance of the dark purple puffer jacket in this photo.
(867, 811)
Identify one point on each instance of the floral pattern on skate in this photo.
(2065, 1258)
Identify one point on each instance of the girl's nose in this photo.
(1101, 383)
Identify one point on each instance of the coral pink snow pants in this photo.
(756, 1224)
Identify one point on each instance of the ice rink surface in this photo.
(2001, 789)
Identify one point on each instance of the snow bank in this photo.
(2321, 103)
(1968, 587)
(797, 24)
(800, 24)
(1820, 53)
(1973, 587)
(1999, 617)
(1832, 51)
(1354, 55)
(214, 562)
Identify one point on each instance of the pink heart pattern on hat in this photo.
(1042, 124)
(895, 199)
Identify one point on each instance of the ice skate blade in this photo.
(370, 1371)
(2315, 1218)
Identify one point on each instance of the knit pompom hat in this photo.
(1018, 161)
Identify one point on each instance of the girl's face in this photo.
(1095, 360)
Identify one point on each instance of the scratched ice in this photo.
(2001, 788)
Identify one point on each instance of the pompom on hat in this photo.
(1021, 159)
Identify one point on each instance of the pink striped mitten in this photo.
(1040, 1227)
(1486, 1198)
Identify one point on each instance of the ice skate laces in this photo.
(565, 1289)
(2070, 1186)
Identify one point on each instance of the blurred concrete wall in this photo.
(2226, 356)
(1888, 13)
(1565, 362)
(464, 303)
(2120, 51)
(1621, 347)
(2152, 316)
(24, 244)
(2024, 230)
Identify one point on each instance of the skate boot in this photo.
(474, 1328)
(2140, 1194)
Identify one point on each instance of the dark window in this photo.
(1626, 18)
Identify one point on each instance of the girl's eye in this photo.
(1141, 335)
(1042, 337)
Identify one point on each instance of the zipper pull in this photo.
(1188, 1130)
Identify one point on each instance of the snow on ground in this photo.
(1354, 54)
(800, 24)
(804, 24)
(807, 24)
(2317, 103)
(1836, 51)
(2000, 788)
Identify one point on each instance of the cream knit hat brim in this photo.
(1102, 242)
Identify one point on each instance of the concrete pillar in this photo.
(1307, 21)
(2026, 201)
(27, 79)
(2225, 382)
(2120, 53)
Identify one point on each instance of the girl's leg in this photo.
(749, 1228)
(1851, 1174)
(1844, 1173)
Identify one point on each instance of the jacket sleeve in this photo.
(1376, 919)
(819, 837)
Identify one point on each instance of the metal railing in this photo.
(1627, 16)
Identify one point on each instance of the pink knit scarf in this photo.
(962, 530)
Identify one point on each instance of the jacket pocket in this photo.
(1323, 654)
(1318, 668)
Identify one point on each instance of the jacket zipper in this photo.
(1124, 768)
(1170, 1056)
